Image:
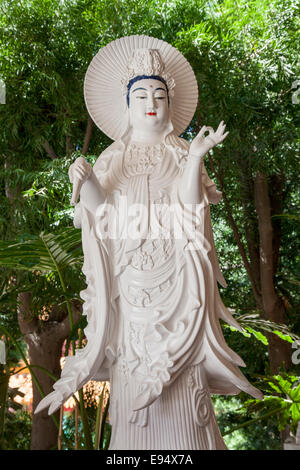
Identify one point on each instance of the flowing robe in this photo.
(152, 303)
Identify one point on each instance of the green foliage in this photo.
(252, 325)
(68, 427)
(17, 433)
(74, 432)
(69, 433)
(282, 399)
(261, 435)
(47, 253)
(15, 422)
(50, 260)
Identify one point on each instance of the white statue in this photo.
(152, 300)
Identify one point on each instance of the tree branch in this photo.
(69, 145)
(88, 135)
(250, 227)
(27, 322)
(51, 153)
(236, 233)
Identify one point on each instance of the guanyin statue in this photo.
(152, 300)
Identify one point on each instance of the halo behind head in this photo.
(107, 77)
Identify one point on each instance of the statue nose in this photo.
(150, 101)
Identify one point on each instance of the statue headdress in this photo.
(115, 65)
(147, 62)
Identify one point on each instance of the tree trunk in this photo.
(273, 307)
(276, 201)
(44, 343)
(45, 351)
(262, 283)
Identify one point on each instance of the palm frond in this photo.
(252, 322)
(46, 253)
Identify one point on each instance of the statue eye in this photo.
(160, 97)
(141, 97)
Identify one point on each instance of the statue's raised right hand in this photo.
(202, 144)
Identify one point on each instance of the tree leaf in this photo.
(258, 335)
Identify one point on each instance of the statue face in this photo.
(149, 108)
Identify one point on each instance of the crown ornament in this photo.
(147, 62)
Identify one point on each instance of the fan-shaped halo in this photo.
(103, 91)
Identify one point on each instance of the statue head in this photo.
(148, 104)
(148, 89)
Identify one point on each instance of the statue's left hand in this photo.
(200, 145)
(80, 169)
(79, 172)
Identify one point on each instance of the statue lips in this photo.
(151, 114)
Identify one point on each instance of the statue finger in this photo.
(78, 173)
(201, 132)
(221, 128)
(212, 134)
(224, 136)
(82, 167)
